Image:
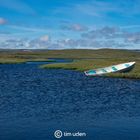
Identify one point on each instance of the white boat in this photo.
(124, 67)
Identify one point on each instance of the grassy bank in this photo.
(42, 55)
(99, 59)
(82, 65)
(17, 61)
(21, 56)
(83, 59)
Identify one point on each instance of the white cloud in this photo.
(45, 38)
(23, 44)
(105, 37)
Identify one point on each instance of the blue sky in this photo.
(65, 24)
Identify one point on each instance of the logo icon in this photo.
(58, 134)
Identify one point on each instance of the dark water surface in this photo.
(35, 102)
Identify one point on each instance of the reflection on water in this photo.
(35, 102)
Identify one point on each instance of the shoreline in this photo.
(77, 65)
(82, 59)
(111, 75)
(58, 66)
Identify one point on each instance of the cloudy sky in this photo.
(65, 24)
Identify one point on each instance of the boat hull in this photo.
(124, 67)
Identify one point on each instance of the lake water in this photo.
(35, 102)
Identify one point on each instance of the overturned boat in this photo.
(124, 67)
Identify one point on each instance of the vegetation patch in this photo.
(82, 59)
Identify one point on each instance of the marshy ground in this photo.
(83, 59)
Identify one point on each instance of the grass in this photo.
(82, 65)
(82, 59)
(20, 56)
(11, 61)
(17, 61)
(98, 59)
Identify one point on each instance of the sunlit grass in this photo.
(83, 59)
(82, 65)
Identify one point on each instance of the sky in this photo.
(69, 24)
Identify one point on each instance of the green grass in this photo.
(11, 61)
(73, 54)
(83, 59)
(109, 57)
(82, 65)
(14, 56)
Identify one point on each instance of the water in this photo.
(35, 102)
